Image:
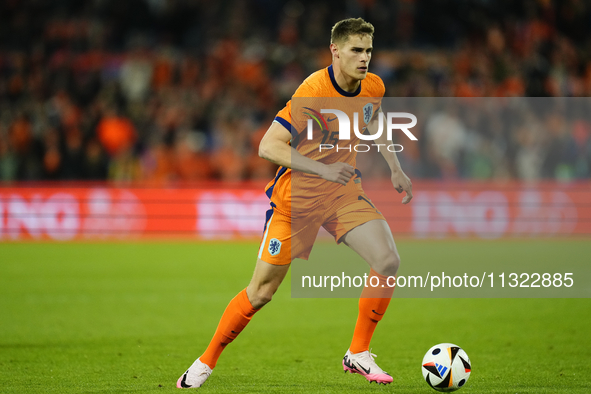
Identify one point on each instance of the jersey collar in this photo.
(338, 88)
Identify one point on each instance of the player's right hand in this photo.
(337, 172)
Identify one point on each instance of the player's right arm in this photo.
(275, 147)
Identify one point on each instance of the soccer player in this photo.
(340, 206)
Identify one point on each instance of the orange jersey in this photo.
(321, 91)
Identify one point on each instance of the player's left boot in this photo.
(363, 363)
(195, 376)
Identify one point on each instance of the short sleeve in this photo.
(295, 114)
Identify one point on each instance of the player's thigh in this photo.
(279, 246)
(373, 241)
(265, 281)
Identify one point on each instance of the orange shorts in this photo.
(291, 235)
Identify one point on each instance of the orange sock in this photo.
(373, 303)
(236, 316)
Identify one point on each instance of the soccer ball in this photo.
(446, 367)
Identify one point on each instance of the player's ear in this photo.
(334, 49)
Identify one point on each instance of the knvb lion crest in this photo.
(274, 246)
(367, 112)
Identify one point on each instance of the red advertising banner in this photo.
(215, 211)
(489, 210)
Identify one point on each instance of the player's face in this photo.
(355, 55)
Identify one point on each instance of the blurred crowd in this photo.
(167, 90)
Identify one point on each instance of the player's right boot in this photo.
(195, 376)
(364, 364)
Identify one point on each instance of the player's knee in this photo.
(388, 263)
(265, 297)
(395, 261)
(261, 298)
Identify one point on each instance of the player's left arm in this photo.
(400, 181)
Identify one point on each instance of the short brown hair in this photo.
(342, 30)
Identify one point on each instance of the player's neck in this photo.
(345, 82)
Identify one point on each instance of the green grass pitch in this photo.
(131, 317)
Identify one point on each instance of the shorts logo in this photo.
(367, 112)
(274, 246)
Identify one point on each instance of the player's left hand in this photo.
(402, 183)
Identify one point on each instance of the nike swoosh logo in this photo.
(365, 370)
(374, 311)
(330, 120)
(183, 384)
(349, 364)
